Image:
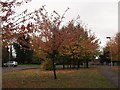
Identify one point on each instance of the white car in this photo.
(10, 63)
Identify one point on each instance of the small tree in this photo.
(47, 38)
(47, 43)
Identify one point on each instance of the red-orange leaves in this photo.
(29, 27)
(4, 18)
(4, 4)
(78, 42)
(22, 27)
(114, 45)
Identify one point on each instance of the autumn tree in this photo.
(47, 43)
(116, 47)
(14, 26)
(47, 39)
(82, 44)
(113, 44)
(11, 22)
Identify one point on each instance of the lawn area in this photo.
(37, 65)
(36, 78)
(116, 69)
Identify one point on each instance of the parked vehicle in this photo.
(10, 63)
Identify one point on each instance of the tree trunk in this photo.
(70, 63)
(54, 69)
(86, 63)
(78, 64)
(73, 65)
(113, 63)
(63, 64)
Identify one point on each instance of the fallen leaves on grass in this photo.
(36, 78)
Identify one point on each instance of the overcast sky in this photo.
(100, 15)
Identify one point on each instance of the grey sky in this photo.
(100, 15)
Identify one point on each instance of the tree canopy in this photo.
(114, 45)
(47, 37)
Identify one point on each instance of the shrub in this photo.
(47, 64)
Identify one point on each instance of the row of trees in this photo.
(112, 49)
(17, 52)
(43, 34)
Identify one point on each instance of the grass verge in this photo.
(36, 78)
(116, 69)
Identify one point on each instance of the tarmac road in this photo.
(18, 68)
(110, 75)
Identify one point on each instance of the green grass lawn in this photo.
(36, 78)
(29, 65)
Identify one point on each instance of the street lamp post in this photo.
(110, 50)
(9, 54)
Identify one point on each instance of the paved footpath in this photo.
(113, 77)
